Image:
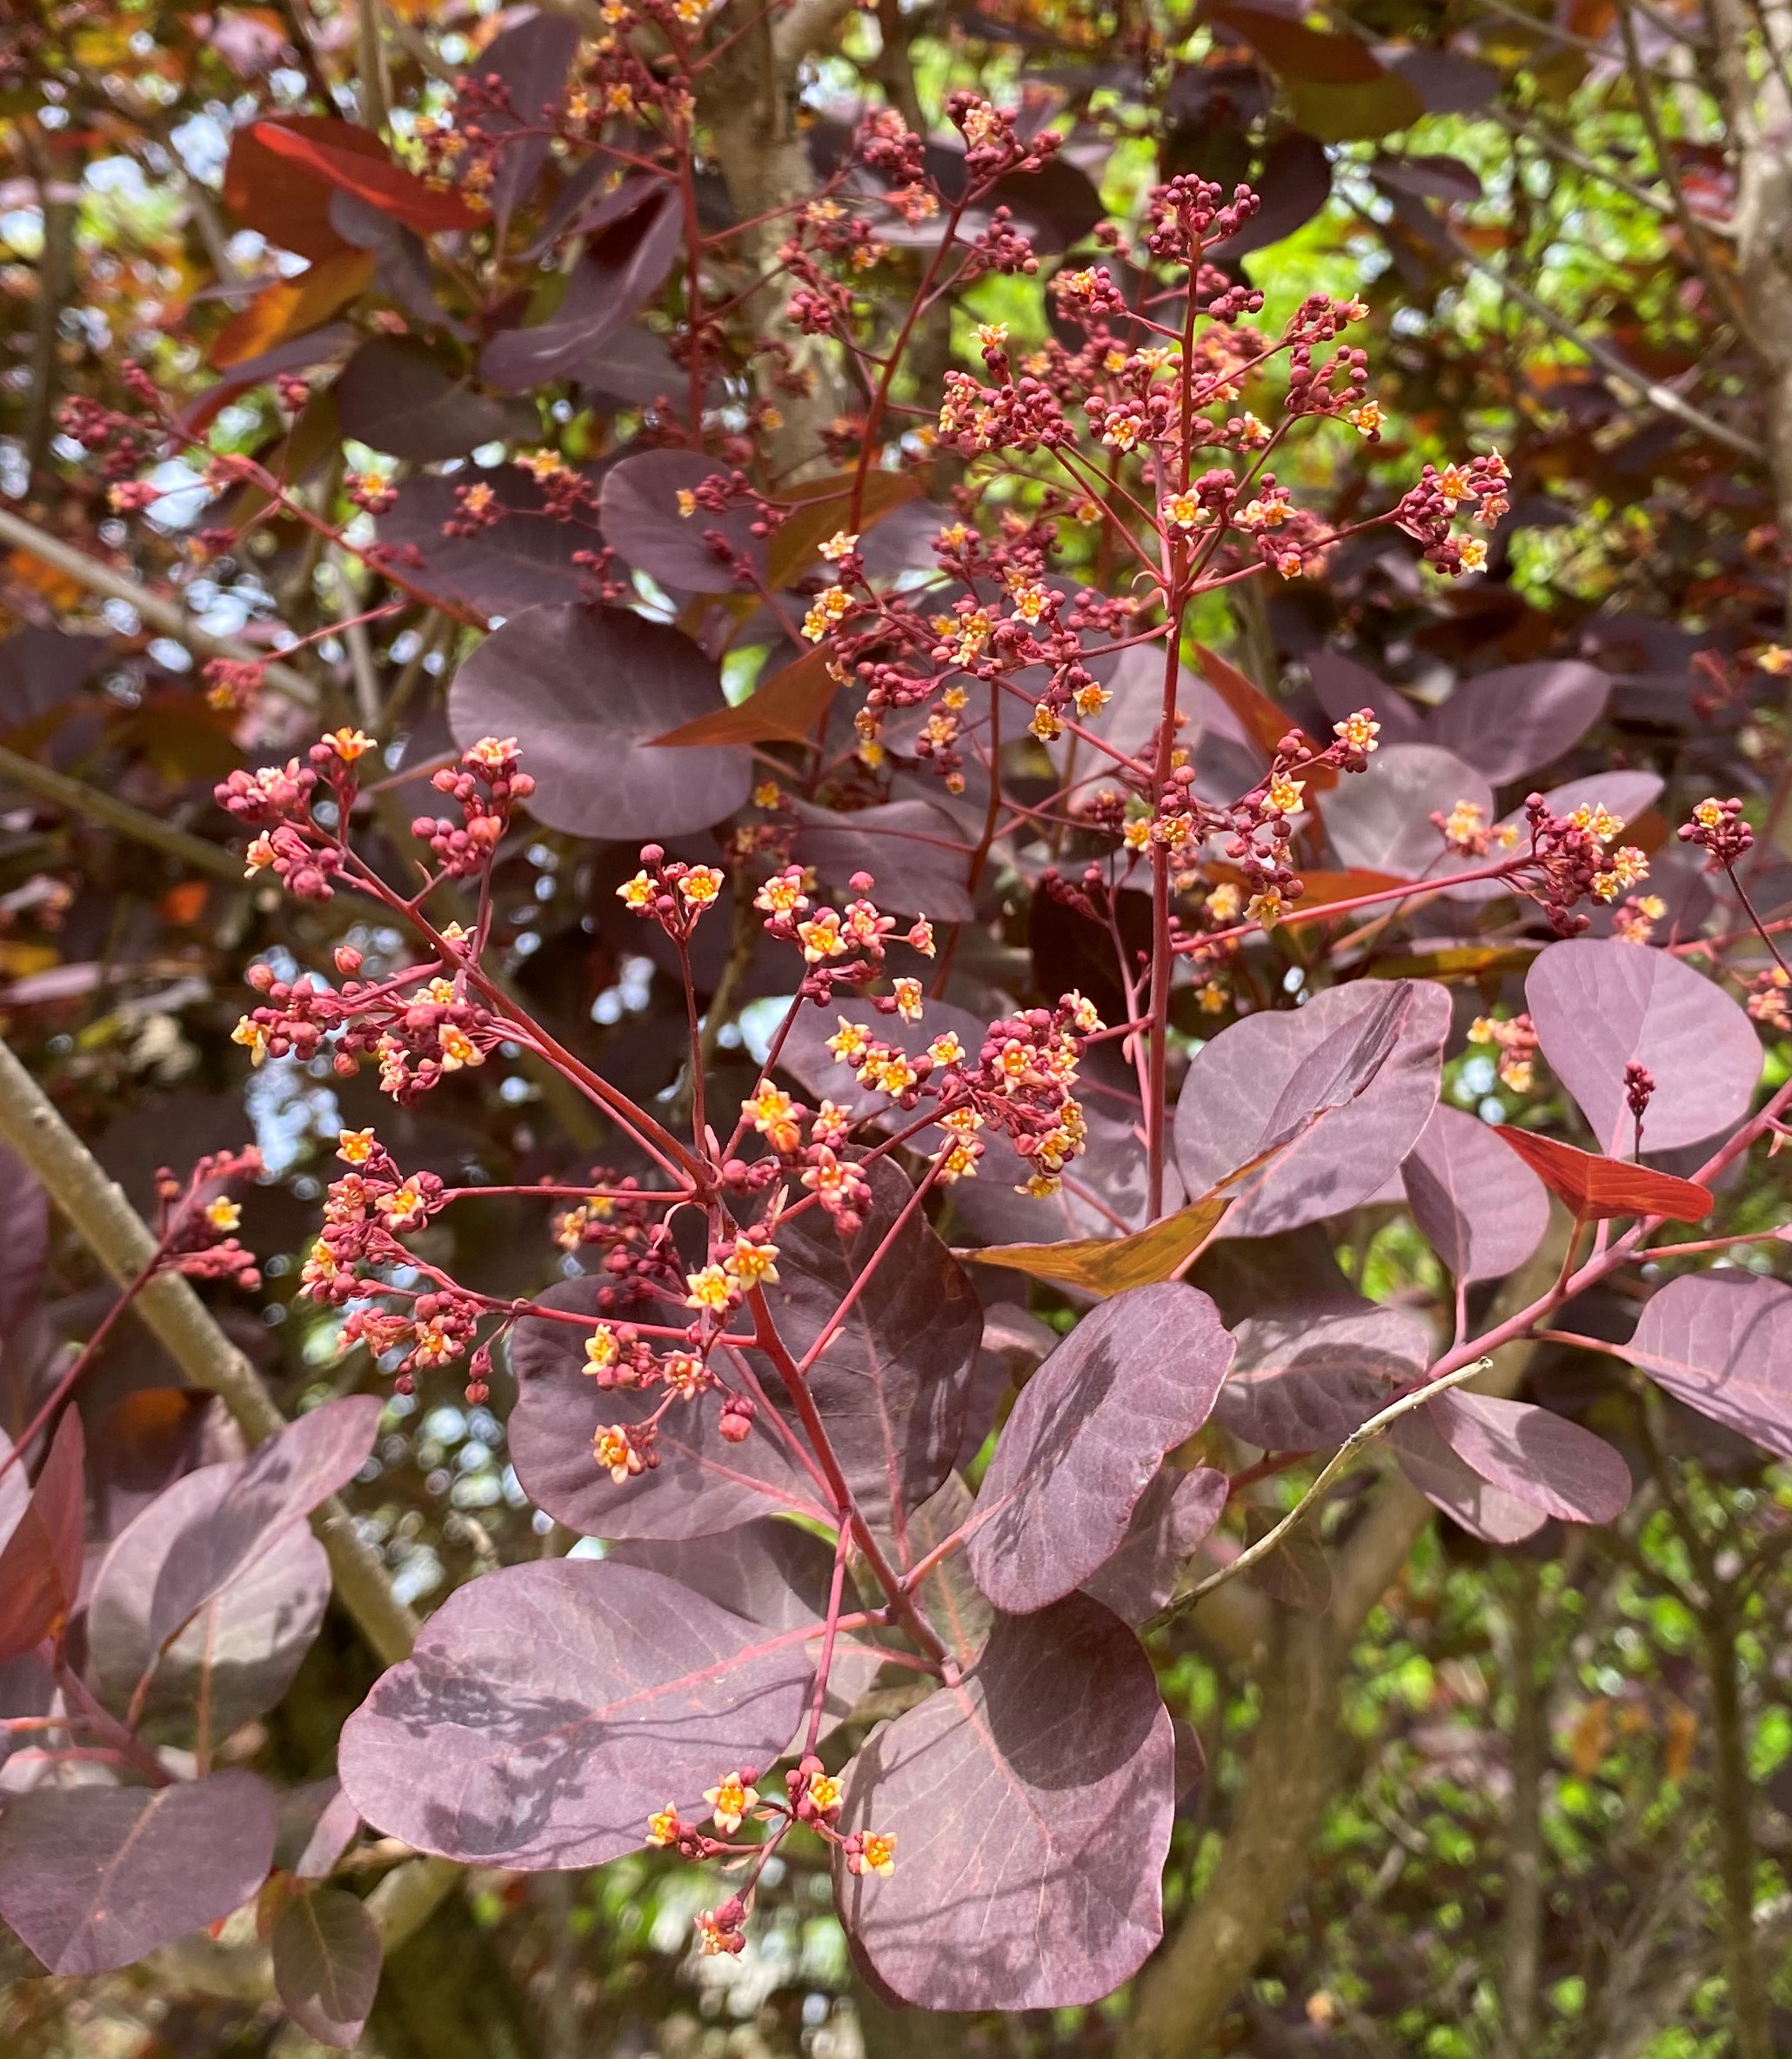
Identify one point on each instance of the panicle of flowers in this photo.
(197, 1218)
(671, 892)
(1515, 1038)
(1717, 826)
(1428, 511)
(1769, 999)
(1568, 862)
(485, 785)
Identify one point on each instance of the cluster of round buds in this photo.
(486, 784)
(841, 947)
(886, 145)
(1189, 212)
(121, 442)
(233, 683)
(1017, 415)
(1717, 826)
(197, 1219)
(366, 1211)
(1575, 864)
(994, 150)
(669, 893)
(1427, 511)
(1639, 1091)
(276, 794)
(434, 1330)
(1516, 1040)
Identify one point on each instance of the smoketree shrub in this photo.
(914, 1358)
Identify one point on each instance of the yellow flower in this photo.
(767, 794)
(730, 1799)
(613, 1450)
(349, 743)
(1045, 723)
(753, 1265)
(1368, 418)
(253, 1037)
(1224, 903)
(782, 894)
(820, 937)
(1091, 699)
(224, 1214)
(826, 609)
(700, 886)
(1708, 814)
(457, 1049)
(1453, 485)
(636, 892)
(260, 854)
(908, 999)
(710, 1287)
(1473, 553)
(1266, 908)
(824, 1792)
(1598, 820)
(355, 1148)
(992, 335)
(663, 1829)
(849, 1042)
(1285, 794)
(1358, 730)
(601, 1349)
(1774, 658)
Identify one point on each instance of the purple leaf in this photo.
(911, 848)
(773, 1574)
(1344, 1085)
(1135, 1377)
(532, 60)
(1305, 1377)
(1343, 686)
(704, 1485)
(1446, 82)
(316, 1824)
(239, 1652)
(1450, 1483)
(584, 690)
(1031, 1807)
(397, 396)
(1599, 1004)
(40, 1562)
(643, 523)
(892, 1385)
(524, 561)
(92, 1878)
(326, 1962)
(279, 1482)
(948, 1596)
(1434, 178)
(1541, 1458)
(621, 267)
(14, 1490)
(1174, 1519)
(1508, 722)
(1722, 1342)
(549, 1709)
(1479, 1207)
(1380, 821)
(1294, 184)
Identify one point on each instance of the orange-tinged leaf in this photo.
(784, 711)
(269, 193)
(377, 180)
(1107, 1266)
(1589, 1739)
(824, 506)
(1682, 1734)
(56, 587)
(1264, 722)
(289, 307)
(1321, 889)
(1595, 1188)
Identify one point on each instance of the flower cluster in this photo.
(1516, 1040)
(1428, 511)
(197, 1219)
(1717, 826)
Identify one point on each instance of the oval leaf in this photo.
(1512, 721)
(1481, 1211)
(1379, 820)
(1599, 1004)
(92, 1878)
(1540, 1457)
(1104, 1266)
(1174, 1519)
(584, 690)
(1131, 1380)
(1722, 1342)
(326, 1964)
(549, 1709)
(1047, 1779)
(1343, 1086)
(40, 1562)
(1305, 1377)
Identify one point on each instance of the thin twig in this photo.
(1364, 1433)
